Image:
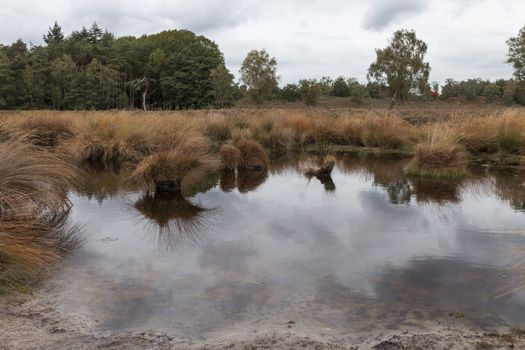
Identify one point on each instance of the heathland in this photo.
(45, 153)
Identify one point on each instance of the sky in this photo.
(309, 38)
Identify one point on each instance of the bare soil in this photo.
(29, 321)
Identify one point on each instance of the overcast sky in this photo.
(309, 38)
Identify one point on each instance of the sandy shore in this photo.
(28, 321)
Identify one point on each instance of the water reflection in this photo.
(249, 180)
(439, 192)
(173, 220)
(243, 180)
(228, 180)
(104, 184)
(510, 186)
(374, 257)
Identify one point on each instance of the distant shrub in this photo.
(290, 93)
(310, 91)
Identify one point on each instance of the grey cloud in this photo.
(381, 13)
(309, 38)
(208, 16)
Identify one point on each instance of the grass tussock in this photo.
(351, 130)
(386, 132)
(32, 179)
(110, 140)
(274, 136)
(29, 246)
(230, 157)
(324, 169)
(34, 231)
(217, 128)
(183, 164)
(46, 130)
(252, 155)
(118, 138)
(440, 155)
(501, 132)
(511, 132)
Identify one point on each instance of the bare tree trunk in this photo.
(145, 94)
(393, 101)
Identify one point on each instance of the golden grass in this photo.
(32, 179)
(230, 156)
(326, 165)
(386, 131)
(252, 155)
(34, 231)
(183, 164)
(271, 133)
(44, 129)
(511, 132)
(109, 138)
(440, 154)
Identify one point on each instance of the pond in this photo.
(369, 250)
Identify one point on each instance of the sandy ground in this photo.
(28, 321)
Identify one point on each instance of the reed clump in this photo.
(34, 230)
(217, 128)
(351, 130)
(230, 157)
(324, 169)
(181, 164)
(386, 132)
(43, 128)
(271, 133)
(440, 155)
(479, 135)
(106, 140)
(32, 179)
(511, 132)
(252, 155)
(125, 138)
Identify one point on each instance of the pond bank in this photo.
(31, 321)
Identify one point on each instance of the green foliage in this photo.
(401, 66)
(475, 88)
(91, 68)
(290, 93)
(516, 54)
(340, 88)
(376, 90)
(222, 86)
(326, 83)
(359, 93)
(259, 73)
(54, 35)
(492, 92)
(310, 91)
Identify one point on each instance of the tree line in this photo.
(177, 69)
(92, 69)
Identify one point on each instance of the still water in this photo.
(368, 250)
